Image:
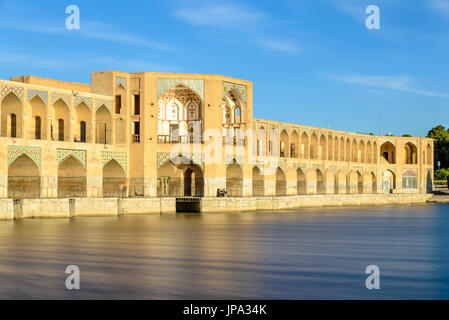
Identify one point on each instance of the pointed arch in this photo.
(294, 144)
(320, 182)
(234, 179)
(60, 127)
(388, 152)
(284, 143)
(322, 149)
(84, 118)
(314, 147)
(38, 130)
(24, 179)
(103, 122)
(362, 152)
(11, 116)
(301, 183)
(114, 180)
(258, 183)
(281, 185)
(305, 146)
(72, 180)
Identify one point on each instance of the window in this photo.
(136, 132)
(37, 128)
(409, 180)
(137, 104)
(13, 126)
(118, 104)
(83, 131)
(61, 130)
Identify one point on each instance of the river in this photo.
(304, 254)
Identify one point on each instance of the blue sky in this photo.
(312, 62)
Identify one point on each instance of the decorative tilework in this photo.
(121, 81)
(86, 100)
(42, 94)
(120, 157)
(55, 96)
(63, 154)
(163, 84)
(16, 151)
(107, 103)
(16, 90)
(241, 89)
(164, 157)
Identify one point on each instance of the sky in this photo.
(312, 62)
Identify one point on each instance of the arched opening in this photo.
(11, 116)
(103, 120)
(336, 145)
(13, 125)
(359, 183)
(37, 128)
(261, 142)
(322, 151)
(114, 180)
(193, 181)
(330, 150)
(61, 130)
(341, 178)
(170, 181)
(180, 116)
(342, 149)
(320, 189)
(369, 152)
(283, 152)
(429, 155)
(301, 186)
(24, 180)
(38, 114)
(314, 147)
(388, 153)
(388, 181)
(348, 183)
(62, 125)
(281, 186)
(258, 183)
(355, 151)
(294, 145)
(374, 182)
(348, 151)
(375, 152)
(362, 152)
(72, 181)
(84, 117)
(410, 153)
(304, 146)
(234, 180)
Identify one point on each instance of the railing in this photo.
(234, 140)
(179, 139)
(136, 138)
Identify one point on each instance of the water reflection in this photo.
(313, 253)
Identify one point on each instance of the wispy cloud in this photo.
(440, 5)
(83, 61)
(252, 23)
(402, 83)
(16, 17)
(220, 15)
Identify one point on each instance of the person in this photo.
(75, 139)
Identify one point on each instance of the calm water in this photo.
(308, 254)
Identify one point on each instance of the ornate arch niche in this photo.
(180, 114)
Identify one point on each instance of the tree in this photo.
(441, 147)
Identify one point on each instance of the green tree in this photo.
(441, 147)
